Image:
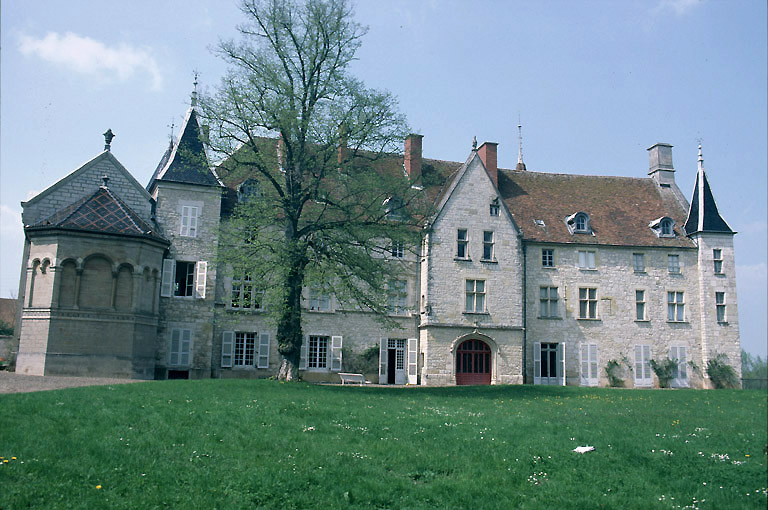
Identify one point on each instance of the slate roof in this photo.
(703, 215)
(102, 212)
(186, 160)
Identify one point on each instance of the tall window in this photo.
(586, 259)
(317, 352)
(475, 296)
(319, 301)
(666, 227)
(181, 343)
(189, 221)
(398, 296)
(588, 303)
(488, 245)
(720, 306)
(494, 208)
(245, 294)
(461, 244)
(245, 349)
(640, 305)
(397, 249)
(717, 256)
(643, 375)
(675, 306)
(580, 223)
(547, 258)
(680, 372)
(673, 263)
(185, 279)
(638, 261)
(548, 301)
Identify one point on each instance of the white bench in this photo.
(352, 378)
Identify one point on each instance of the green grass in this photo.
(260, 444)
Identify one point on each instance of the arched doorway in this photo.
(473, 363)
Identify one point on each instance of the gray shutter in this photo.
(537, 363)
(166, 284)
(173, 354)
(413, 356)
(561, 363)
(382, 361)
(336, 342)
(200, 277)
(303, 355)
(594, 374)
(227, 344)
(584, 362)
(185, 347)
(263, 351)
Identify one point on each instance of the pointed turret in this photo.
(703, 215)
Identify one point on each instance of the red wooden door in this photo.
(473, 363)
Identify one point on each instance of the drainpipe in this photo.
(525, 306)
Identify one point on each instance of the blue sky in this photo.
(594, 82)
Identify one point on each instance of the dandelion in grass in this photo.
(98, 487)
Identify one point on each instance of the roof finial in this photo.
(474, 143)
(520, 164)
(104, 180)
(193, 102)
(701, 158)
(108, 136)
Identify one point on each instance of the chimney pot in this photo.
(412, 156)
(488, 154)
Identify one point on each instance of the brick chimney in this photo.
(488, 154)
(412, 156)
(343, 139)
(660, 166)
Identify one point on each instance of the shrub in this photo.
(365, 362)
(5, 328)
(721, 373)
(665, 370)
(614, 372)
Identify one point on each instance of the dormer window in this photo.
(494, 208)
(578, 223)
(395, 208)
(247, 189)
(663, 227)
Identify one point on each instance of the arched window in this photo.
(663, 227)
(124, 288)
(67, 283)
(96, 283)
(578, 223)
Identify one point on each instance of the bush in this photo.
(721, 373)
(753, 367)
(613, 371)
(5, 328)
(366, 362)
(665, 370)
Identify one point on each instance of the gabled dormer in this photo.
(663, 227)
(578, 223)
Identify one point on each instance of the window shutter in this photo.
(594, 375)
(166, 285)
(193, 221)
(303, 354)
(561, 363)
(382, 361)
(683, 359)
(227, 341)
(336, 353)
(263, 351)
(536, 363)
(202, 270)
(186, 343)
(173, 355)
(591, 259)
(584, 361)
(413, 356)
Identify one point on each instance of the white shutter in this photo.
(336, 353)
(192, 222)
(413, 356)
(594, 375)
(382, 361)
(582, 259)
(227, 344)
(166, 285)
(536, 363)
(681, 374)
(584, 362)
(303, 354)
(591, 259)
(647, 364)
(186, 344)
(263, 351)
(561, 363)
(202, 270)
(173, 354)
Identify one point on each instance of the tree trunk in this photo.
(289, 333)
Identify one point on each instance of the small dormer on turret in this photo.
(660, 164)
(703, 216)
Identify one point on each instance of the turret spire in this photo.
(703, 216)
(193, 101)
(520, 164)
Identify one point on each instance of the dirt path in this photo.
(11, 382)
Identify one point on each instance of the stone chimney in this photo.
(343, 141)
(412, 156)
(488, 154)
(660, 164)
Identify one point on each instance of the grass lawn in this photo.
(261, 444)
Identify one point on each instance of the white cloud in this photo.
(89, 56)
(680, 7)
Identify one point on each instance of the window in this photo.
(395, 208)
(549, 363)
(673, 263)
(461, 244)
(398, 296)
(321, 352)
(663, 227)
(548, 301)
(720, 306)
(547, 258)
(397, 249)
(248, 189)
(181, 344)
(317, 352)
(638, 262)
(586, 259)
(183, 279)
(488, 245)
(189, 221)
(494, 207)
(245, 349)
(578, 223)
(675, 307)
(475, 296)
(666, 227)
(588, 303)
(717, 256)
(245, 294)
(643, 375)
(319, 301)
(680, 373)
(640, 305)
(590, 375)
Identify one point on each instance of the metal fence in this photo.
(752, 383)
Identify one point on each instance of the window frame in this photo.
(717, 260)
(477, 296)
(493, 208)
(317, 354)
(638, 268)
(462, 244)
(675, 306)
(673, 267)
(397, 249)
(587, 260)
(721, 307)
(588, 301)
(244, 352)
(317, 298)
(549, 304)
(244, 286)
(547, 257)
(489, 247)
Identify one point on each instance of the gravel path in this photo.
(11, 382)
